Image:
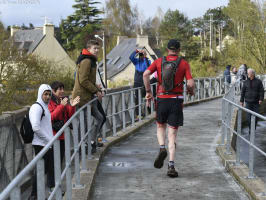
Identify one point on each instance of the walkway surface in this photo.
(127, 171)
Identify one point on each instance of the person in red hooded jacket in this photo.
(61, 111)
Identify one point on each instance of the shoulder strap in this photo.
(43, 112)
(178, 61)
(163, 61)
(101, 78)
(177, 65)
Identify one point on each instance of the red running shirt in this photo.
(182, 72)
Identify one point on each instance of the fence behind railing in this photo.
(120, 110)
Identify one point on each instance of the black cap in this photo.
(173, 44)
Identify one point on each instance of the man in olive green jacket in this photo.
(85, 81)
(85, 87)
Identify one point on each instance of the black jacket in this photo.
(252, 91)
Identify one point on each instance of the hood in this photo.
(243, 67)
(86, 54)
(41, 90)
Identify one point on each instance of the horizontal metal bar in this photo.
(245, 109)
(247, 141)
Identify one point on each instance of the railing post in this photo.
(77, 185)
(68, 165)
(185, 93)
(132, 105)
(89, 123)
(113, 115)
(123, 111)
(15, 194)
(146, 108)
(152, 101)
(210, 87)
(198, 90)
(57, 168)
(228, 140)
(251, 149)
(204, 93)
(239, 127)
(152, 105)
(40, 180)
(82, 134)
(140, 103)
(220, 86)
(104, 105)
(223, 121)
(215, 92)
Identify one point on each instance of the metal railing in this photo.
(230, 105)
(120, 111)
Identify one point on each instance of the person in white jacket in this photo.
(43, 133)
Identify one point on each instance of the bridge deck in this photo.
(127, 171)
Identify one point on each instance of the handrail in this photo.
(205, 88)
(230, 103)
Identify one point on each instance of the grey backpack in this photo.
(168, 71)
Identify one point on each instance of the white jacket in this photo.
(42, 128)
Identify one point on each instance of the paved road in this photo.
(127, 170)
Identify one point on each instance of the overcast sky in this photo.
(16, 12)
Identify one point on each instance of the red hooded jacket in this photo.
(60, 112)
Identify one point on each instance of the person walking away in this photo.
(233, 75)
(169, 112)
(252, 93)
(141, 63)
(61, 110)
(40, 120)
(227, 77)
(85, 85)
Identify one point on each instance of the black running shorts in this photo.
(170, 111)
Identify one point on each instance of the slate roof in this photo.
(28, 40)
(118, 58)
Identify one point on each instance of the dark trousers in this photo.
(143, 94)
(48, 166)
(255, 108)
(98, 113)
(62, 151)
(100, 109)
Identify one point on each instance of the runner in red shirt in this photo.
(169, 108)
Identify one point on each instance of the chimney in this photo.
(48, 29)
(142, 40)
(120, 38)
(13, 30)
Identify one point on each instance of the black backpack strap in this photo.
(177, 65)
(101, 78)
(163, 61)
(178, 61)
(43, 112)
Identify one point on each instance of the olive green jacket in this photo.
(85, 81)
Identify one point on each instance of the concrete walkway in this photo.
(127, 171)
